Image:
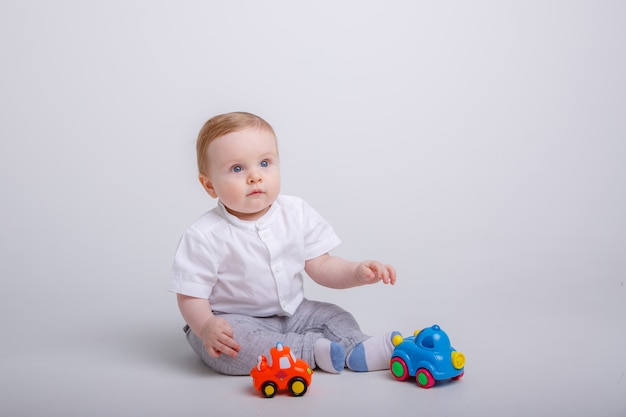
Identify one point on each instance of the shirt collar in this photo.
(259, 223)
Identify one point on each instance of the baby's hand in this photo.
(217, 336)
(369, 272)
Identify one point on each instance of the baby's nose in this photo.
(254, 177)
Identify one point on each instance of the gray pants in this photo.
(256, 335)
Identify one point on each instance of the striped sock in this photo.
(372, 354)
(329, 356)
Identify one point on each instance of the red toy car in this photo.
(282, 371)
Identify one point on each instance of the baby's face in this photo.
(243, 172)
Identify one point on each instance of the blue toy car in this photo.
(427, 356)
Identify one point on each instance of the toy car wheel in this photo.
(268, 389)
(297, 386)
(459, 376)
(399, 369)
(424, 378)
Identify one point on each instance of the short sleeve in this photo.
(193, 272)
(319, 235)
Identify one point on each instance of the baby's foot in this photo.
(372, 354)
(329, 356)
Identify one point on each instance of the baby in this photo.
(238, 270)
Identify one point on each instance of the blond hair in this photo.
(221, 125)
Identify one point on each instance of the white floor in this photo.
(522, 359)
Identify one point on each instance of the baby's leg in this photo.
(255, 336)
(328, 320)
(329, 332)
(364, 353)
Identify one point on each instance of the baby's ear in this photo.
(207, 185)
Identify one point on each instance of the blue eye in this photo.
(265, 164)
(237, 168)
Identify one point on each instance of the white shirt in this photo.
(251, 267)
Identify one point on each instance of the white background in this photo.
(479, 147)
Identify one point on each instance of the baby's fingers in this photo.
(391, 275)
(386, 273)
(228, 346)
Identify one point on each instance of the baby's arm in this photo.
(335, 272)
(215, 332)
